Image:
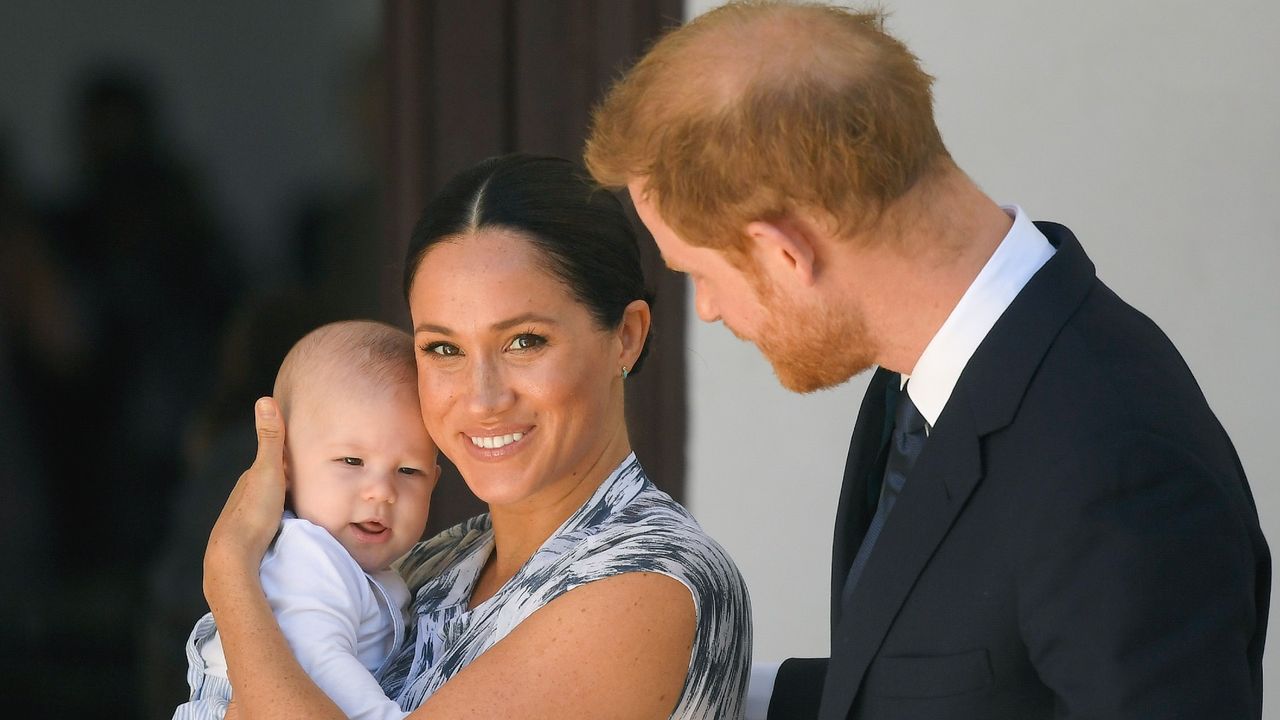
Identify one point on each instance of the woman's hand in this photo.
(268, 681)
(251, 515)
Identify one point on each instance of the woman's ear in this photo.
(633, 331)
(784, 247)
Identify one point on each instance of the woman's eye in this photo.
(441, 348)
(527, 341)
(353, 461)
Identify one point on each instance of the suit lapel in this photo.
(854, 513)
(946, 473)
(1002, 367)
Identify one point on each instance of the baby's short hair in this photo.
(344, 352)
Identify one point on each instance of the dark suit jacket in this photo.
(1076, 540)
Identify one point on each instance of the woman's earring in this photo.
(625, 372)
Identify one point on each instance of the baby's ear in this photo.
(284, 463)
(435, 476)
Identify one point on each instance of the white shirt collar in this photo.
(1022, 252)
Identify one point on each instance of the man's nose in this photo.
(703, 304)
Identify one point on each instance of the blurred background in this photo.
(186, 188)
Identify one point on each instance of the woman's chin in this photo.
(498, 492)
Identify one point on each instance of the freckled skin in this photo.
(553, 376)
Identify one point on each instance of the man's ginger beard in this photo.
(810, 348)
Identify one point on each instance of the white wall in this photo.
(1153, 131)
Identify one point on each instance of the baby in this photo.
(360, 470)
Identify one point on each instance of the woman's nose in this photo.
(490, 392)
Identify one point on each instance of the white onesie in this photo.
(341, 622)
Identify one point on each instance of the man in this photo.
(1040, 516)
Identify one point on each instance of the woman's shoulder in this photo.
(654, 533)
(655, 515)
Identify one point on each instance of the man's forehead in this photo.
(676, 252)
(665, 252)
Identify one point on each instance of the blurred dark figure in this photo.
(219, 447)
(159, 282)
(124, 303)
(40, 346)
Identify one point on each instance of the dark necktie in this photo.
(905, 445)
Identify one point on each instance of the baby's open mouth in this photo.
(373, 527)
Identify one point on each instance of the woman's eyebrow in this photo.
(428, 327)
(500, 325)
(524, 319)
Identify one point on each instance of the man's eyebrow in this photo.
(507, 324)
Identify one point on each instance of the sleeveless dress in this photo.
(628, 525)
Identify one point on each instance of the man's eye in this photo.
(441, 348)
(355, 461)
(527, 341)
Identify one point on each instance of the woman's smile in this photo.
(496, 441)
(497, 446)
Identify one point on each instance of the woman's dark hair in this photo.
(578, 228)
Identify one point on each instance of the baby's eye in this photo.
(409, 471)
(527, 341)
(354, 461)
(441, 348)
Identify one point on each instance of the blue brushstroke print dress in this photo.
(628, 525)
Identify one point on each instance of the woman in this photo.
(585, 591)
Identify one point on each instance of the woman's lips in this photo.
(496, 445)
(495, 442)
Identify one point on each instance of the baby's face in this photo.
(362, 466)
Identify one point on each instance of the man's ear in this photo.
(784, 246)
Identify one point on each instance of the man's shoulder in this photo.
(1122, 361)
(1110, 390)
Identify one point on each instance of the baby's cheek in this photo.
(418, 506)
